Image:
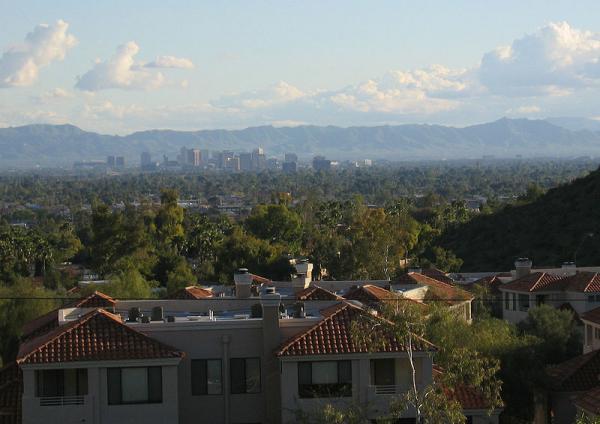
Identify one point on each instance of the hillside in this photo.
(49, 145)
(549, 230)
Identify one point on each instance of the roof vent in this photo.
(242, 271)
(270, 290)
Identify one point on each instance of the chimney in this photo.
(300, 282)
(270, 302)
(569, 268)
(243, 283)
(522, 267)
(304, 267)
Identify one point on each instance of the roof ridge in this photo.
(341, 306)
(64, 330)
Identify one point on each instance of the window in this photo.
(325, 379)
(245, 375)
(540, 299)
(523, 302)
(597, 333)
(65, 382)
(134, 385)
(514, 301)
(206, 377)
(383, 372)
(588, 335)
(507, 301)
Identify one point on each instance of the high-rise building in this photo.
(110, 161)
(120, 162)
(289, 167)
(321, 164)
(291, 157)
(193, 157)
(259, 160)
(246, 161)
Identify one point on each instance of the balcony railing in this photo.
(388, 390)
(62, 400)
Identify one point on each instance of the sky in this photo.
(122, 66)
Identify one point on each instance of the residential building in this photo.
(254, 352)
(576, 291)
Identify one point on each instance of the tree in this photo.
(180, 276)
(275, 223)
(127, 284)
(169, 221)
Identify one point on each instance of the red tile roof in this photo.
(11, 389)
(491, 282)
(589, 401)
(333, 336)
(592, 316)
(316, 293)
(97, 336)
(49, 321)
(437, 274)
(441, 291)
(261, 280)
(469, 397)
(369, 293)
(192, 293)
(586, 282)
(536, 281)
(576, 374)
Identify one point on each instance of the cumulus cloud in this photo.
(20, 65)
(170, 62)
(51, 95)
(276, 94)
(121, 71)
(420, 91)
(554, 60)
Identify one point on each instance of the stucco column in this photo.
(271, 372)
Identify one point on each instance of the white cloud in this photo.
(20, 65)
(276, 94)
(554, 60)
(121, 71)
(170, 62)
(54, 94)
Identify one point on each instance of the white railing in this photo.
(62, 400)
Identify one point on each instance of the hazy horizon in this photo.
(245, 64)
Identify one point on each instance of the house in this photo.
(102, 360)
(579, 292)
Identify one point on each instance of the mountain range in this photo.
(61, 145)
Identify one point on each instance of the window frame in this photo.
(233, 385)
(149, 395)
(205, 384)
(81, 389)
(341, 389)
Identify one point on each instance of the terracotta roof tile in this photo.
(369, 293)
(316, 293)
(97, 336)
(48, 321)
(586, 282)
(592, 316)
(442, 291)
(192, 293)
(469, 397)
(491, 282)
(576, 374)
(260, 279)
(536, 281)
(11, 389)
(589, 401)
(332, 336)
(437, 274)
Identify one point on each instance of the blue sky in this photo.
(117, 66)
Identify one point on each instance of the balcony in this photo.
(62, 400)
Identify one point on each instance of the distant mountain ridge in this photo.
(49, 145)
